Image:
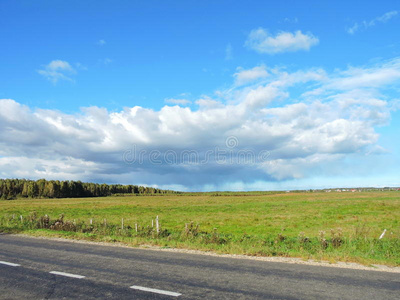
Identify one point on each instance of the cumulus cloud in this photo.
(57, 70)
(250, 133)
(245, 76)
(367, 24)
(262, 41)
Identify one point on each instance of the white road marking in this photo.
(145, 289)
(9, 264)
(67, 274)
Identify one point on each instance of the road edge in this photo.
(278, 259)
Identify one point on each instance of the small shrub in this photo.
(323, 242)
(280, 238)
(337, 239)
(190, 230)
(303, 239)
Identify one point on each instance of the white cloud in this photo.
(291, 20)
(246, 76)
(106, 61)
(262, 41)
(207, 102)
(303, 139)
(353, 29)
(177, 101)
(261, 96)
(367, 24)
(101, 42)
(375, 76)
(59, 65)
(387, 16)
(57, 70)
(68, 168)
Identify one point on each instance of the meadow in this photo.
(323, 226)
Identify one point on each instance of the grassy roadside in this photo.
(327, 226)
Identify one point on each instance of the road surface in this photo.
(46, 269)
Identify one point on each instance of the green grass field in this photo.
(330, 226)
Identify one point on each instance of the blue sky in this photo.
(316, 85)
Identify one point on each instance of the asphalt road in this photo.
(28, 270)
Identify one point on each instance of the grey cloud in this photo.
(299, 138)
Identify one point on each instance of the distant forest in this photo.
(22, 188)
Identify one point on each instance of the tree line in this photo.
(23, 188)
